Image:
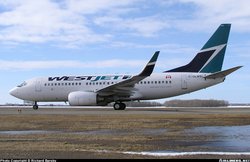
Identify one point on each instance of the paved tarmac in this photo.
(67, 110)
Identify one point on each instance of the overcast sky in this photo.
(79, 37)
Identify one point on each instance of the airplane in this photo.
(99, 90)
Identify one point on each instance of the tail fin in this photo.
(210, 57)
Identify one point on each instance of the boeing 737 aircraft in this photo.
(87, 90)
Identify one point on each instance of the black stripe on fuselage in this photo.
(196, 64)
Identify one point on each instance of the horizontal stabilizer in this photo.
(222, 74)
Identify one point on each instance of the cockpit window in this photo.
(23, 84)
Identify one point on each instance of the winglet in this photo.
(222, 74)
(147, 71)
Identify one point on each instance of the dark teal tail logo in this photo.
(211, 56)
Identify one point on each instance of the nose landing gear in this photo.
(35, 106)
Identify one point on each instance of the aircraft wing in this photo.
(126, 87)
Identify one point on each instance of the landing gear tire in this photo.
(119, 106)
(35, 107)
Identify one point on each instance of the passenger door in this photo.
(184, 84)
(38, 87)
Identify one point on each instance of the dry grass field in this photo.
(105, 133)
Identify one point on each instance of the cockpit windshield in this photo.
(23, 84)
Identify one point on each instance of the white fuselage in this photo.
(156, 86)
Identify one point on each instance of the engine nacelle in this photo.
(80, 98)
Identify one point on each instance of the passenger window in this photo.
(80, 83)
(45, 84)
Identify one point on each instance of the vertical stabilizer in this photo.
(210, 58)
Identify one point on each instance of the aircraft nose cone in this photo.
(14, 92)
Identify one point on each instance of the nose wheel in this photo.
(119, 106)
(35, 106)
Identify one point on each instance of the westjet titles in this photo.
(90, 78)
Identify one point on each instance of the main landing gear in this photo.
(119, 106)
(35, 106)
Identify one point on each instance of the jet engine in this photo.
(81, 98)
